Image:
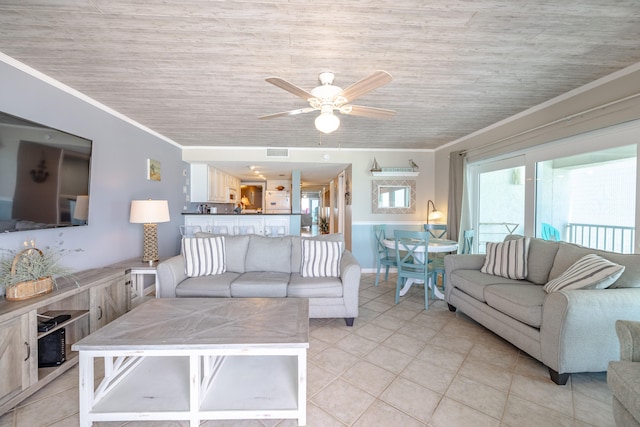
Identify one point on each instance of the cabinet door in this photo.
(199, 183)
(17, 354)
(110, 301)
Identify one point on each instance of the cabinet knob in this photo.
(28, 351)
(99, 312)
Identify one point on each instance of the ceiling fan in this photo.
(328, 98)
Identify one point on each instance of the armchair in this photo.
(623, 377)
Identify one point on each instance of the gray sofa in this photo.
(567, 330)
(259, 267)
(623, 377)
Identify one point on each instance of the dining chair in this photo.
(189, 230)
(274, 230)
(549, 232)
(384, 257)
(436, 261)
(467, 241)
(437, 231)
(244, 229)
(411, 259)
(217, 229)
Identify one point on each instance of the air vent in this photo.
(277, 152)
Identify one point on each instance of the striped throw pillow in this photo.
(507, 259)
(321, 258)
(204, 256)
(589, 272)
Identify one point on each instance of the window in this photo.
(589, 198)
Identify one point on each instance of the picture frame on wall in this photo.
(153, 170)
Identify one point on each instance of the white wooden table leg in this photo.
(194, 390)
(86, 388)
(302, 387)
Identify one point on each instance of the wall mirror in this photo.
(396, 196)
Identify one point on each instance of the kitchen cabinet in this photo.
(91, 299)
(209, 184)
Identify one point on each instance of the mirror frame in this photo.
(376, 184)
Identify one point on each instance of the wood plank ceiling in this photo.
(194, 70)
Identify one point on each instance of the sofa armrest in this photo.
(460, 262)
(629, 337)
(350, 276)
(170, 274)
(578, 331)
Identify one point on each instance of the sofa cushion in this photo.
(521, 301)
(507, 259)
(473, 282)
(623, 379)
(203, 256)
(260, 284)
(268, 254)
(236, 250)
(296, 247)
(569, 253)
(207, 286)
(321, 258)
(314, 287)
(589, 272)
(540, 260)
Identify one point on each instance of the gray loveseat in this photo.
(259, 267)
(567, 330)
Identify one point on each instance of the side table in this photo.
(138, 270)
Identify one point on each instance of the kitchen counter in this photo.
(258, 223)
(232, 213)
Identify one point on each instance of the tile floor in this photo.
(399, 365)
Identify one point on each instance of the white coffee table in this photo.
(199, 359)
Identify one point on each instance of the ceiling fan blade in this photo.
(287, 113)
(375, 113)
(290, 87)
(369, 83)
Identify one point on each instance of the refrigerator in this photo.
(277, 202)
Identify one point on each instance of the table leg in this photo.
(411, 281)
(86, 388)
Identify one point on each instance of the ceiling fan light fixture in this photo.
(327, 122)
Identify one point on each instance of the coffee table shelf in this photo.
(241, 359)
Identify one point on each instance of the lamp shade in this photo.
(149, 211)
(81, 210)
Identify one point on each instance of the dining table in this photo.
(435, 246)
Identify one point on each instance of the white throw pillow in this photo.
(204, 256)
(589, 272)
(321, 258)
(507, 259)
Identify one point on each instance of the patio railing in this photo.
(612, 238)
(605, 237)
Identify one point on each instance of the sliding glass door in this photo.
(499, 200)
(589, 199)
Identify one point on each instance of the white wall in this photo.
(118, 172)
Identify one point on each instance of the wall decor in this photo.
(153, 170)
(393, 196)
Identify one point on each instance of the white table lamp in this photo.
(149, 212)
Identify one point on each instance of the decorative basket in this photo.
(30, 288)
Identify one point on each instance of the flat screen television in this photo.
(44, 176)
